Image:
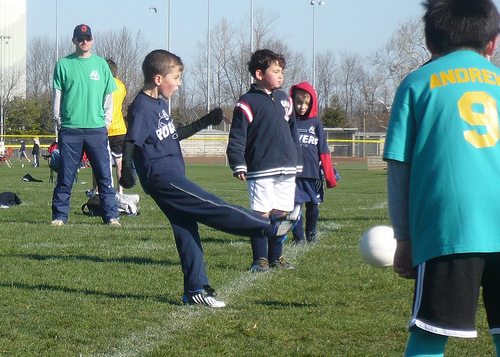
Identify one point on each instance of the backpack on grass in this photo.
(126, 205)
(93, 207)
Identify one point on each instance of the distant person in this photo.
(117, 129)
(443, 156)
(316, 159)
(83, 107)
(152, 146)
(36, 152)
(22, 152)
(264, 151)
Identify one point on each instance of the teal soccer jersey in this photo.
(445, 124)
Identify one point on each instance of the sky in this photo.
(356, 26)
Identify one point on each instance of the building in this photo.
(12, 52)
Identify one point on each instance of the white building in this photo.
(12, 52)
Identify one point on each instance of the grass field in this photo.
(86, 289)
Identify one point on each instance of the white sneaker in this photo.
(203, 297)
(57, 222)
(114, 222)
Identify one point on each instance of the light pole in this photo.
(57, 33)
(169, 28)
(313, 2)
(251, 26)
(208, 60)
(3, 40)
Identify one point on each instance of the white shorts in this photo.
(268, 193)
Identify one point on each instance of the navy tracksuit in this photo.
(161, 171)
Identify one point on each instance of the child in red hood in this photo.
(309, 183)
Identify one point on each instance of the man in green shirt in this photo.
(83, 107)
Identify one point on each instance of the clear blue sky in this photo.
(358, 26)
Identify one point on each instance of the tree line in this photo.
(353, 90)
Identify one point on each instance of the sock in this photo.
(425, 344)
(259, 247)
(496, 341)
(298, 231)
(312, 214)
(275, 247)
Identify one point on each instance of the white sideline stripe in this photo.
(137, 344)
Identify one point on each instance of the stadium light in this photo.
(313, 2)
(57, 33)
(169, 29)
(208, 60)
(251, 26)
(3, 40)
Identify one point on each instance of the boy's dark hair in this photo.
(159, 62)
(451, 25)
(112, 66)
(262, 59)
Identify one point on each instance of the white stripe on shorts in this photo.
(424, 325)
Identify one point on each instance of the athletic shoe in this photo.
(282, 264)
(281, 225)
(204, 296)
(297, 241)
(311, 237)
(260, 265)
(57, 222)
(114, 222)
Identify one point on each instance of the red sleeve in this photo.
(326, 162)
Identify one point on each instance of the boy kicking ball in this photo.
(152, 145)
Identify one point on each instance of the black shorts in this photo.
(447, 293)
(116, 145)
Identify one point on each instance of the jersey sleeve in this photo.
(137, 125)
(322, 142)
(402, 129)
(295, 135)
(57, 79)
(242, 116)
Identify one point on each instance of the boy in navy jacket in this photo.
(264, 150)
(152, 145)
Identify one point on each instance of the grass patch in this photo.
(92, 290)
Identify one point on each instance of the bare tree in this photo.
(263, 28)
(11, 80)
(325, 78)
(349, 81)
(405, 52)
(40, 62)
(128, 51)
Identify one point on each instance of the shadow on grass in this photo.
(285, 304)
(125, 259)
(46, 287)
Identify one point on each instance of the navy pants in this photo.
(186, 204)
(71, 144)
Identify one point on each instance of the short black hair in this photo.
(159, 62)
(262, 59)
(451, 25)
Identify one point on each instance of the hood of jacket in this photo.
(313, 106)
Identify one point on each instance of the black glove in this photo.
(127, 179)
(212, 118)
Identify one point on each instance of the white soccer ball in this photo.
(377, 246)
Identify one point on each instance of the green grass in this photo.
(92, 290)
